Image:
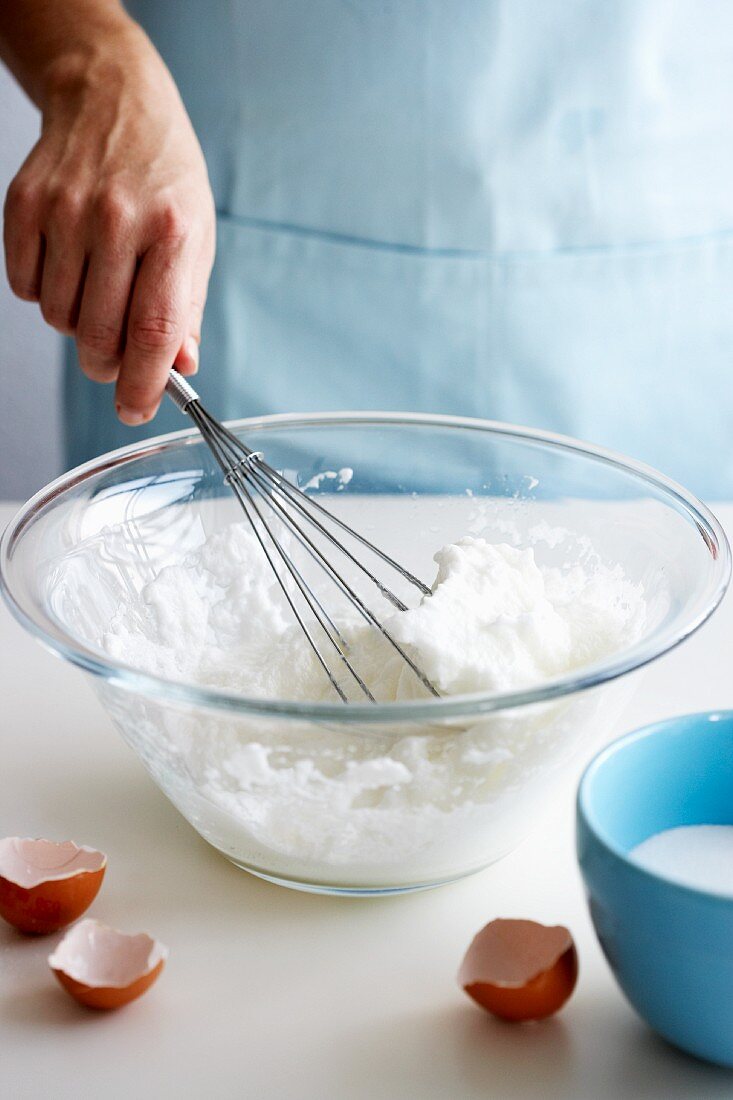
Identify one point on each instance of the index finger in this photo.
(155, 329)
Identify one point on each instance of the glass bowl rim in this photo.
(453, 706)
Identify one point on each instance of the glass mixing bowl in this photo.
(364, 798)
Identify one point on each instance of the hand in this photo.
(109, 223)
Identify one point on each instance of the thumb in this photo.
(187, 359)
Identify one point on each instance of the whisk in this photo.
(269, 499)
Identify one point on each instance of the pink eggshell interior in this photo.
(99, 956)
(29, 862)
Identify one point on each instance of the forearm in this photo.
(109, 224)
(48, 43)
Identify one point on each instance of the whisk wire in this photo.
(364, 610)
(322, 617)
(234, 469)
(299, 501)
(246, 472)
(301, 622)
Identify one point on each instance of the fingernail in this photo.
(131, 417)
(192, 350)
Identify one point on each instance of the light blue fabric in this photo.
(515, 209)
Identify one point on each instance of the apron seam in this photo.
(334, 237)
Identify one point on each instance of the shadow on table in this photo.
(653, 1068)
(463, 1053)
(42, 1005)
(29, 995)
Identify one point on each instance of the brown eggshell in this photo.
(45, 885)
(520, 970)
(106, 997)
(103, 968)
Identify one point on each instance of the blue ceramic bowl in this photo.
(669, 946)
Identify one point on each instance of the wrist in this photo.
(104, 60)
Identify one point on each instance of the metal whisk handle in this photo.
(180, 391)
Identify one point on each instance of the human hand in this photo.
(109, 224)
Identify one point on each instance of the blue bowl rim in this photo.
(620, 855)
(134, 680)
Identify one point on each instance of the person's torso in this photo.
(514, 209)
(496, 125)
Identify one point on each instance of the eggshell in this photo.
(520, 970)
(45, 885)
(103, 968)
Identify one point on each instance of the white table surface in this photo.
(269, 993)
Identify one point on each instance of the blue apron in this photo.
(515, 209)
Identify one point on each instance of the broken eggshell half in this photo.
(103, 968)
(519, 969)
(45, 884)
